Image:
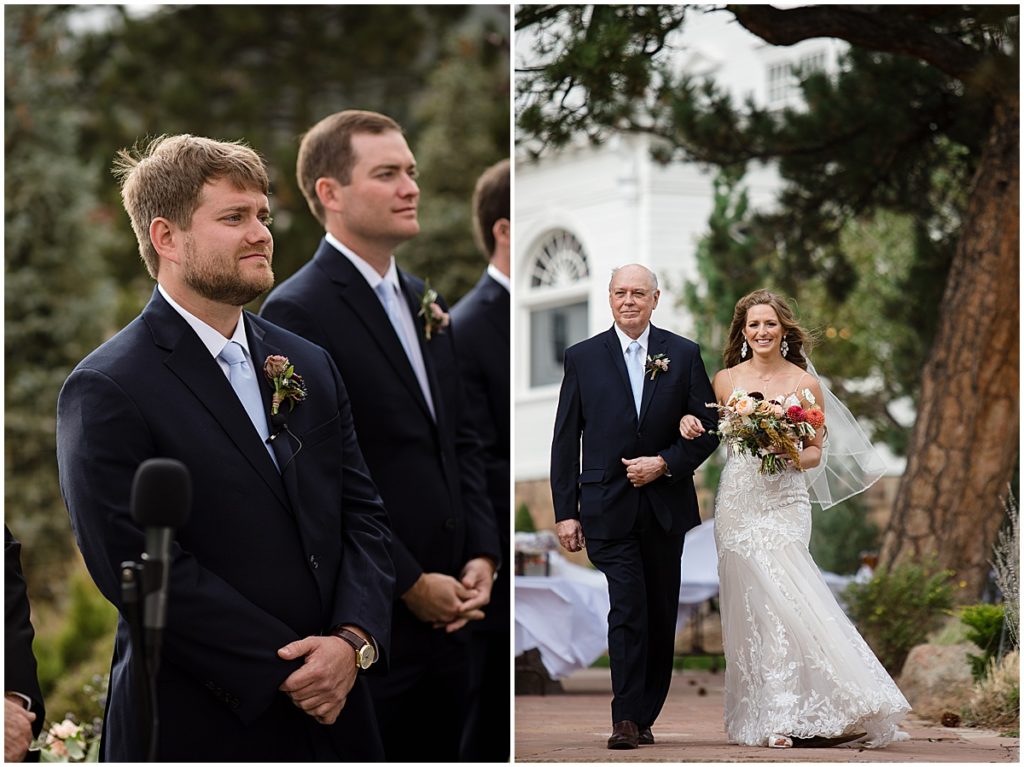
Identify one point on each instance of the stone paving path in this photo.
(574, 727)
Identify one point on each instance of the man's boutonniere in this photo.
(433, 318)
(288, 385)
(656, 364)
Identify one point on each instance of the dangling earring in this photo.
(784, 347)
(743, 349)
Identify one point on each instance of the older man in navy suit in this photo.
(281, 581)
(632, 502)
(391, 341)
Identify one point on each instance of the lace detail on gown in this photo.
(795, 664)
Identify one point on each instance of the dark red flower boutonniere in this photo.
(656, 364)
(288, 385)
(434, 319)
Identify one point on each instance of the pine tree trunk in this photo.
(965, 440)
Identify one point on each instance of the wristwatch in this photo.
(366, 655)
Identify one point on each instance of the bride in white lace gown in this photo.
(796, 668)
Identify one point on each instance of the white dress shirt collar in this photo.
(368, 272)
(211, 338)
(499, 277)
(642, 339)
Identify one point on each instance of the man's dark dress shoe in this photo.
(646, 737)
(624, 735)
(820, 742)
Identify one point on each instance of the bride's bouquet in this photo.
(771, 429)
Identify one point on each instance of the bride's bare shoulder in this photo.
(722, 383)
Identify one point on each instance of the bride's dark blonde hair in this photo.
(798, 339)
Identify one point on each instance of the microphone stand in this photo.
(138, 580)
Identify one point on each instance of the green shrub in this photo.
(90, 620)
(985, 627)
(524, 522)
(898, 608)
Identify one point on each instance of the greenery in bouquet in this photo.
(770, 429)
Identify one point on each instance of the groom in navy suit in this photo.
(623, 394)
(280, 585)
(395, 349)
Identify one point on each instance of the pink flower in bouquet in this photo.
(777, 410)
(815, 417)
(796, 414)
(745, 405)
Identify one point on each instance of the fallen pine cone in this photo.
(949, 719)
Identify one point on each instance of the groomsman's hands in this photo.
(640, 471)
(570, 535)
(321, 686)
(478, 576)
(439, 599)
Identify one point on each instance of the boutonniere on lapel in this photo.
(288, 385)
(656, 364)
(434, 320)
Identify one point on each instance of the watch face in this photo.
(366, 656)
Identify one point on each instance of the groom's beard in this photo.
(217, 276)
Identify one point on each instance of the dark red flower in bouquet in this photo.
(756, 395)
(796, 414)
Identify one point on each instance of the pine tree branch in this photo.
(891, 30)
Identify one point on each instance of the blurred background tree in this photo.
(85, 81)
(911, 147)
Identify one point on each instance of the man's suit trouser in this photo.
(643, 588)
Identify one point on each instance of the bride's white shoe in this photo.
(779, 741)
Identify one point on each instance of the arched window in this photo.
(556, 300)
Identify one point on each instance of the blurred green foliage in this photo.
(898, 608)
(524, 520)
(986, 624)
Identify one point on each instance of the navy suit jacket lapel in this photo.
(657, 343)
(190, 361)
(357, 293)
(281, 442)
(614, 347)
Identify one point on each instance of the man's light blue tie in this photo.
(636, 373)
(386, 292)
(248, 390)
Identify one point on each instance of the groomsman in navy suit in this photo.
(632, 502)
(280, 586)
(394, 346)
(481, 322)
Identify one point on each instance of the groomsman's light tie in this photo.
(248, 390)
(386, 292)
(636, 372)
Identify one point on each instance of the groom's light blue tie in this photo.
(248, 390)
(635, 368)
(386, 293)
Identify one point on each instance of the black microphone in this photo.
(161, 500)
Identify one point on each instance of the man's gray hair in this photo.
(654, 277)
